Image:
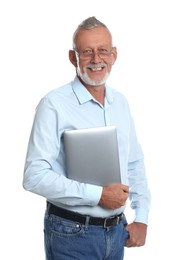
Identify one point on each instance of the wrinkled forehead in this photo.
(93, 38)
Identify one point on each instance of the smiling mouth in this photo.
(96, 68)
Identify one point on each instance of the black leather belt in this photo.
(105, 222)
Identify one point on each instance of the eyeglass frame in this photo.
(89, 56)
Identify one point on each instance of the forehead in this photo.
(93, 38)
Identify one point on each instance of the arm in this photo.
(44, 171)
(139, 193)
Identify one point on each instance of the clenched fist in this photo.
(114, 196)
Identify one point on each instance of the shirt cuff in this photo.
(93, 194)
(141, 215)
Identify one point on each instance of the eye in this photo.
(104, 51)
(87, 52)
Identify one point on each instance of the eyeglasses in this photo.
(87, 54)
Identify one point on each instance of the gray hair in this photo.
(88, 24)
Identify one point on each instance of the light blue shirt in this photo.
(72, 107)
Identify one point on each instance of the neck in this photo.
(98, 92)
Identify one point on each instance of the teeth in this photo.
(95, 69)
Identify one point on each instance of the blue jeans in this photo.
(66, 240)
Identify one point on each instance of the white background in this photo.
(35, 38)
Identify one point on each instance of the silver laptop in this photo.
(92, 155)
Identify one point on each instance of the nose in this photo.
(96, 58)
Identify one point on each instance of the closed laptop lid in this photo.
(92, 155)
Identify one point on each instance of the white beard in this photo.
(85, 78)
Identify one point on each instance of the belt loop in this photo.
(48, 205)
(104, 225)
(87, 221)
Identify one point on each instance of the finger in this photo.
(129, 243)
(125, 188)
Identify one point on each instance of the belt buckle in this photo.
(105, 225)
(117, 218)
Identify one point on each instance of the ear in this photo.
(114, 55)
(72, 57)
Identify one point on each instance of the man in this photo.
(85, 221)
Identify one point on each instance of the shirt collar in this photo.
(83, 95)
(80, 91)
(109, 95)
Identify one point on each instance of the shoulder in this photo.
(57, 95)
(59, 91)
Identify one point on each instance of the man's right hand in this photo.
(114, 196)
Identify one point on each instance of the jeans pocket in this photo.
(65, 228)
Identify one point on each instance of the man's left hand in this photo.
(137, 234)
